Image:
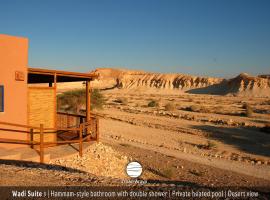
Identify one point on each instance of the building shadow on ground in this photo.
(35, 165)
(248, 140)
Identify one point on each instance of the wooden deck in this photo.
(71, 129)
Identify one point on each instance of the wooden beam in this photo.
(88, 105)
(88, 100)
(81, 140)
(55, 101)
(62, 73)
(18, 125)
(31, 137)
(41, 146)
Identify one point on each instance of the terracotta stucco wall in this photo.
(13, 57)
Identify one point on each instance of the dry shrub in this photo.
(170, 107)
(197, 108)
(196, 172)
(74, 100)
(97, 99)
(121, 100)
(168, 173)
(248, 110)
(153, 103)
(193, 108)
(267, 102)
(211, 145)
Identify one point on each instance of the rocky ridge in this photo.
(130, 79)
(140, 81)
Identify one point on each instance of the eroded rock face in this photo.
(134, 81)
(245, 82)
(246, 85)
(129, 79)
(242, 85)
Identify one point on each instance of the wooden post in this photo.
(80, 143)
(88, 104)
(87, 100)
(81, 121)
(55, 103)
(32, 137)
(41, 146)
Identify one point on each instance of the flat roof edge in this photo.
(61, 73)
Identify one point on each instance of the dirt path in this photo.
(163, 141)
(159, 168)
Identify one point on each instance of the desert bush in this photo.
(168, 173)
(244, 105)
(193, 108)
(153, 103)
(125, 145)
(248, 110)
(170, 107)
(73, 100)
(267, 102)
(76, 100)
(211, 145)
(121, 100)
(97, 99)
(196, 172)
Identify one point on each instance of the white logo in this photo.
(134, 169)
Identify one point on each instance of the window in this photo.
(1, 98)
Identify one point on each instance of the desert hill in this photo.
(242, 85)
(133, 80)
(130, 81)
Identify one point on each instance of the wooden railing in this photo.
(70, 120)
(84, 131)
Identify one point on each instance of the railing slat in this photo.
(80, 144)
(18, 125)
(81, 125)
(41, 152)
(31, 137)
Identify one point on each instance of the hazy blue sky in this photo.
(220, 38)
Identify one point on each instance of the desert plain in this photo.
(184, 130)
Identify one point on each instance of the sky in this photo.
(202, 37)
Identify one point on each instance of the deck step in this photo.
(36, 158)
(24, 154)
(9, 154)
(16, 156)
(29, 154)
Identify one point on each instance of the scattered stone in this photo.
(95, 161)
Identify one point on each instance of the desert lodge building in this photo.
(28, 102)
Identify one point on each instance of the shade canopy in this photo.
(36, 75)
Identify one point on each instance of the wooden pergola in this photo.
(84, 130)
(52, 77)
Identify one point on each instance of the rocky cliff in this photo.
(130, 79)
(133, 81)
(242, 85)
